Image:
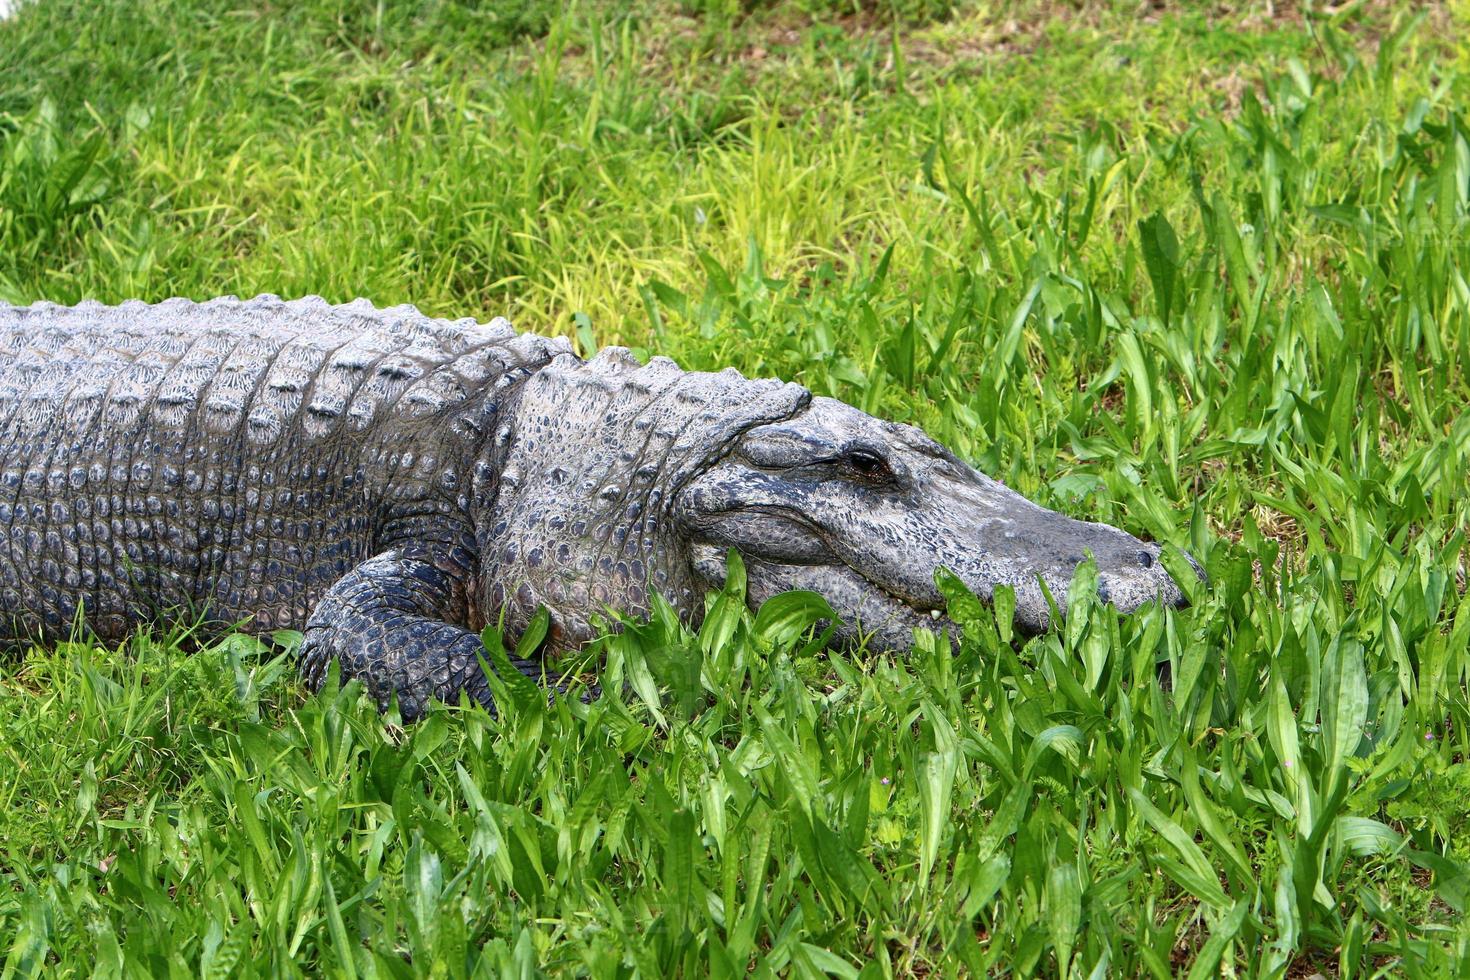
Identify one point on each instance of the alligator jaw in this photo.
(882, 620)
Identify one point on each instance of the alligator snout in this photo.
(1038, 547)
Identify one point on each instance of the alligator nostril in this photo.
(1145, 559)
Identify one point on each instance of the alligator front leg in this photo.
(395, 622)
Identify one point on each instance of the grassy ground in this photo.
(1198, 271)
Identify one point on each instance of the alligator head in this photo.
(864, 512)
(619, 480)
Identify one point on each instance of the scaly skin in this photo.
(390, 483)
(233, 461)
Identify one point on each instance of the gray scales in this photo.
(389, 484)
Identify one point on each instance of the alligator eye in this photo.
(866, 463)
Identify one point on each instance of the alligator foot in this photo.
(391, 623)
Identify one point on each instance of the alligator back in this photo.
(231, 459)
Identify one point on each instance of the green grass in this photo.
(1200, 273)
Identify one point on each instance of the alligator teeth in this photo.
(934, 614)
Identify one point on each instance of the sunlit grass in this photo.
(1202, 275)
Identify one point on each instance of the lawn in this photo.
(1193, 269)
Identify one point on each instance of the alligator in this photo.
(388, 484)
